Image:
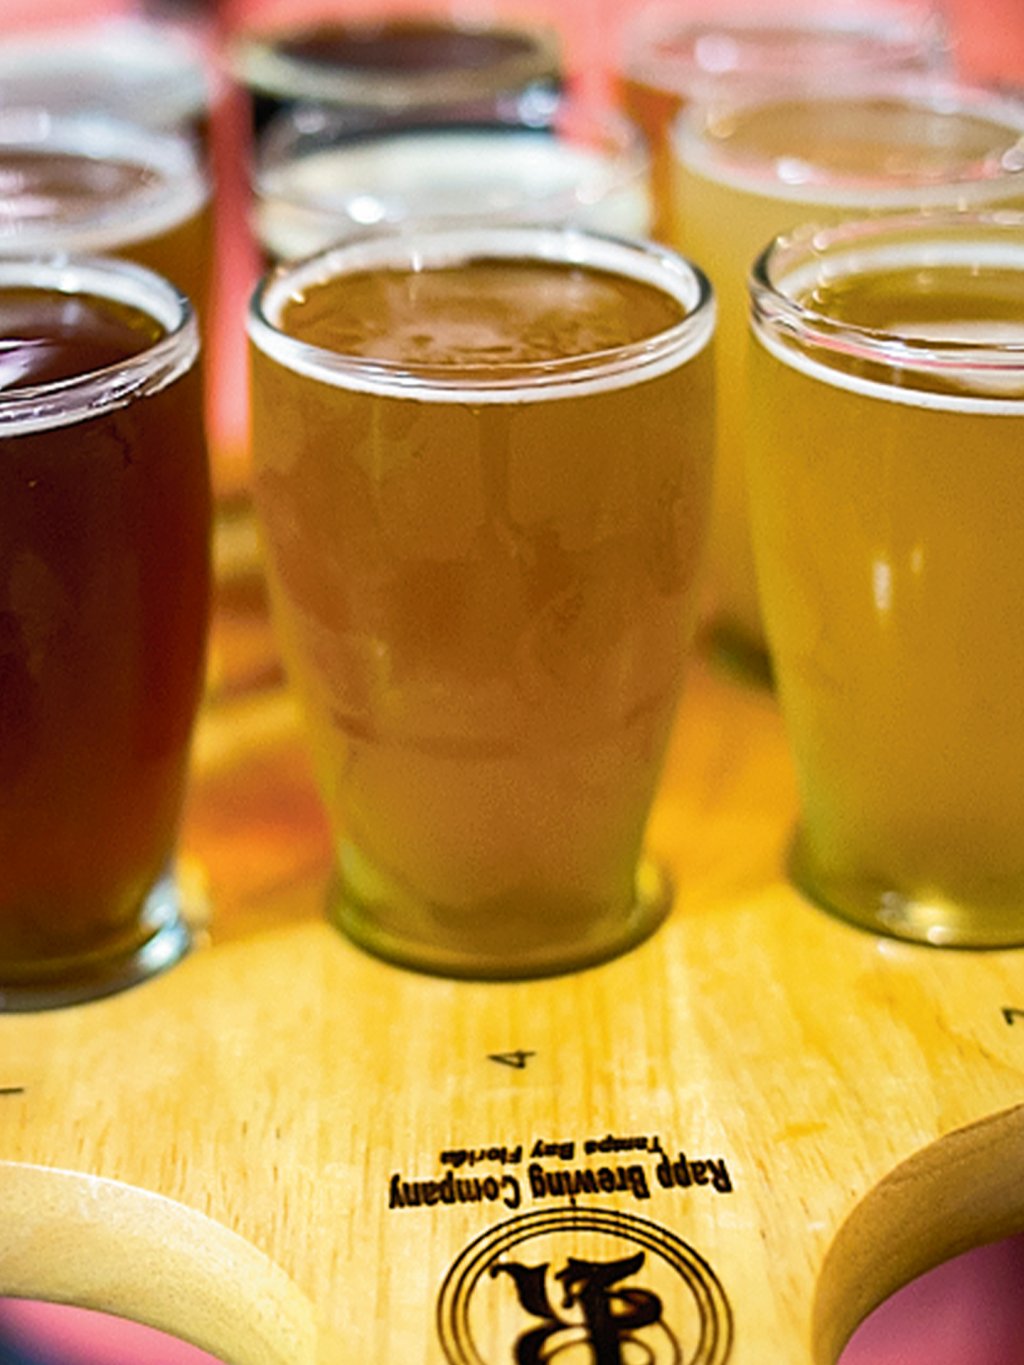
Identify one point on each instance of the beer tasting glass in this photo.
(126, 68)
(323, 175)
(393, 63)
(752, 170)
(887, 480)
(104, 502)
(676, 54)
(90, 184)
(482, 460)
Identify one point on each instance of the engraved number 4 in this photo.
(517, 1060)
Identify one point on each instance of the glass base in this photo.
(930, 919)
(742, 657)
(165, 938)
(489, 943)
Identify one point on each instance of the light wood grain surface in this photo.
(289, 1152)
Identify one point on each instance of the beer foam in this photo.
(527, 373)
(493, 174)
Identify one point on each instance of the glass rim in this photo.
(526, 381)
(163, 66)
(260, 65)
(94, 393)
(696, 146)
(783, 321)
(299, 136)
(532, 112)
(880, 42)
(183, 189)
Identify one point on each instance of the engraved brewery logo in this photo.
(583, 1286)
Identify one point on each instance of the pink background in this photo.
(968, 1312)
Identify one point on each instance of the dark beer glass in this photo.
(104, 585)
(394, 64)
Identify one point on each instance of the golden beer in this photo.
(886, 465)
(92, 185)
(751, 172)
(482, 463)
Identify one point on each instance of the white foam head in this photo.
(457, 175)
(125, 67)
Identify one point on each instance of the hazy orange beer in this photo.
(104, 509)
(482, 460)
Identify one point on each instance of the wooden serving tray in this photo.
(726, 1146)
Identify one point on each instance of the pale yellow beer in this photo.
(887, 477)
(752, 171)
(482, 462)
(675, 54)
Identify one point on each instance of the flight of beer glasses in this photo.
(482, 461)
(697, 51)
(750, 170)
(322, 175)
(885, 441)
(103, 605)
(89, 184)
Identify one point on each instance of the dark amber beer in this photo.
(104, 510)
(482, 460)
(395, 64)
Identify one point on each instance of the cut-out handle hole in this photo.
(968, 1311)
(37, 1333)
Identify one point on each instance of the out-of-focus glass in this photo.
(104, 581)
(394, 63)
(126, 68)
(887, 480)
(482, 462)
(749, 171)
(89, 184)
(324, 175)
(692, 51)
